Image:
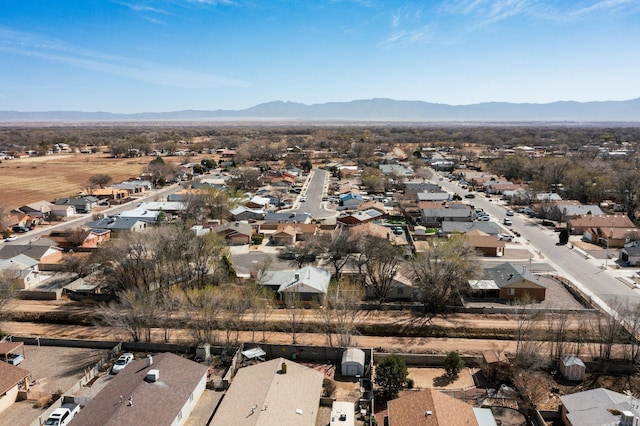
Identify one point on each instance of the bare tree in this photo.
(528, 339)
(339, 313)
(135, 314)
(339, 247)
(442, 272)
(378, 262)
(100, 180)
(294, 307)
(557, 330)
(8, 288)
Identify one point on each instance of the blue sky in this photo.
(167, 55)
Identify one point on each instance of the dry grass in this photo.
(28, 180)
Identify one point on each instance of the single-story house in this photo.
(610, 237)
(235, 233)
(360, 217)
(596, 407)
(288, 234)
(309, 283)
(68, 238)
(489, 227)
(110, 193)
(63, 211)
(485, 244)
(580, 224)
(44, 250)
(433, 196)
(508, 282)
(258, 202)
(630, 254)
(417, 187)
(118, 224)
(134, 186)
(272, 219)
(23, 270)
(369, 229)
(429, 407)
(82, 204)
(350, 201)
(275, 392)
(39, 209)
(246, 213)
(141, 214)
(453, 212)
(162, 389)
(12, 380)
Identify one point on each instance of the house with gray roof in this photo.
(599, 407)
(433, 217)
(23, 270)
(162, 389)
(450, 227)
(274, 218)
(246, 213)
(43, 250)
(82, 204)
(417, 187)
(396, 169)
(433, 196)
(273, 393)
(309, 283)
(235, 233)
(134, 186)
(119, 224)
(141, 214)
(508, 282)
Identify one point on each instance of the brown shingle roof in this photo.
(10, 375)
(411, 407)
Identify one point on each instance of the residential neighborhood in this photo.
(240, 281)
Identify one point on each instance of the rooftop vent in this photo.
(428, 413)
(149, 360)
(153, 376)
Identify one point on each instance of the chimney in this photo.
(149, 360)
(284, 368)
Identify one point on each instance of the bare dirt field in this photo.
(27, 180)
(424, 378)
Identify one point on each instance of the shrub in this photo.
(391, 375)
(328, 387)
(453, 364)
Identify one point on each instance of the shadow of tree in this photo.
(444, 380)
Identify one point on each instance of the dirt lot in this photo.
(52, 369)
(27, 180)
(437, 378)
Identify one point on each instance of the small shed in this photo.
(572, 368)
(352, 362)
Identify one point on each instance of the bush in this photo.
(328, 387)
(391, 375)
(410, 384)
(453, 364)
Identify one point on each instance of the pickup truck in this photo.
(62, 416)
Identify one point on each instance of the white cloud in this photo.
(35, 46)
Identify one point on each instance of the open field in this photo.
(27, 180)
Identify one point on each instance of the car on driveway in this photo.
(483, 218)
(122, 362)
(505, 237)
(11, 238)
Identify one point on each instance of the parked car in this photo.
(483, 218)
(505, 237)
(122, 362)
(62, 416)
(20, 229)
(15, 359)
(507, 221)
(11, 238)
(303, 198)
(510, 212)
(470, 196)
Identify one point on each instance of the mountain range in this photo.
(387, 110)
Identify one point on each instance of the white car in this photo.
(122, 362)
(11, 238)
(483, 218)
(510, 212)
(505, 237)
(507, 221)
(303, 198)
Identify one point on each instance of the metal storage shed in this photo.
(352, 362)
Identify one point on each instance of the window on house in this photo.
(511, 291)
(401, 291)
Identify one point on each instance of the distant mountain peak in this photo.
(376, 109)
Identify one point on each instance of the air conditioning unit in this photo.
(153, 376)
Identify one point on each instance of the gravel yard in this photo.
(52, 369)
